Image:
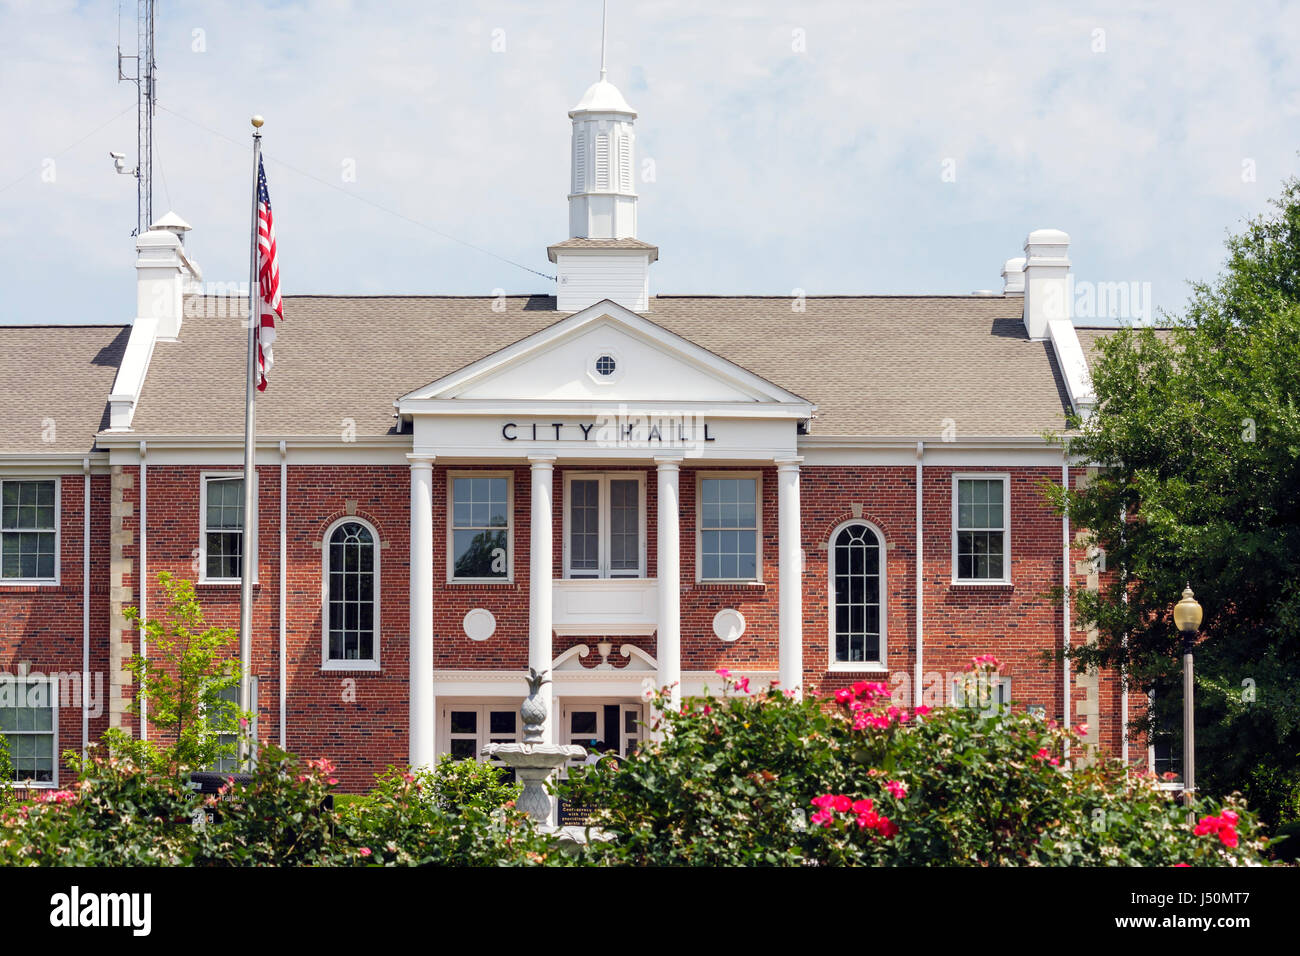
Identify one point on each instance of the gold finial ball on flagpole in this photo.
(257, 122)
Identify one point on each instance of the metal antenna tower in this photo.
(145, 80)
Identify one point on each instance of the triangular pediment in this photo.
(604, 353)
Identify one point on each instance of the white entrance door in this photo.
(614, 725)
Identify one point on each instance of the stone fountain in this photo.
(533, 760)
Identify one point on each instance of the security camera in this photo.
(119, 163)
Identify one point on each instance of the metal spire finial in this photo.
(604, 10)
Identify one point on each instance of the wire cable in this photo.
(37, 168)
(363, 199)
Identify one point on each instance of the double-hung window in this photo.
(480, 527)
(221, 542)
(29, 536)
(29, 725)
(727, 535)
(981, 536)
(604, 519)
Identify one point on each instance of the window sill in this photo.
(27, 584)
(1008, 585)
(360, 667)
(751, 586)
(480, 583)
(843, 667)
(223, 583)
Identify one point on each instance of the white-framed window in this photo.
(467, 727)
(228, 698)
(29, 530)
(604, 525)
(728, 526)
(606, 726)
(981, 528)
(480, 526)
(1165, 742)
(858, 597)
(29, 724)
(221, 533)
(350, 595)
(990, 696)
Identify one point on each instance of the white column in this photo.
(423, 741)
(790, 548)
(668, 649)
(540, 585)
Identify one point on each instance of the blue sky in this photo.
(778, 164)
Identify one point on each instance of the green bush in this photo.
(761, 779)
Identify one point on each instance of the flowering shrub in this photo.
(764, 779)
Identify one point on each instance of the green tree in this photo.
(183, 680)
(1197, 435)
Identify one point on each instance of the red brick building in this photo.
(623, 489)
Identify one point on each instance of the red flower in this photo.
(365, 851)
(822, 818)
(897, 788)
(825, 801)
(742, 685)
(842, 803)
(922, 710)
(1182, 864)
(843, 695)
(860, 687)
(861, 806)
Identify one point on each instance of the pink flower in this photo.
(897, 788)
(1081, 730)
(722, 672)
(825, 801)
(365, 851)
(1228, 817)
(867, 821)
(922, 710)
(860, 687)
(706, 709)
(333, 781)
(1229, 837)
(822, 818)
(742, 685)
(1182, 864)
(1042, 754)
(842, 803)
(243, 723)
(887, 828)
(843, 695)
(409, 777)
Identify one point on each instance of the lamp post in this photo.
(1187, 615)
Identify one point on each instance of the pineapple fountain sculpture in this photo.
(534, 760)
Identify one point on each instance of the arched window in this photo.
(857, 596)
(351, 596)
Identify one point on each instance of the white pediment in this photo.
(568, 362)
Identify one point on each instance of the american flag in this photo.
(268, 274)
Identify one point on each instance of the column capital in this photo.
(668, 463)
(421, 461)
(788, 464)
(541, 461)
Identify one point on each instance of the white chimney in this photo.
(1013, 276)
(164, 275)
(1046, 280)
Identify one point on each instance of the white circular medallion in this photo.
(728, 624)
(479, 624)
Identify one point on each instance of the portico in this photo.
(607, 412)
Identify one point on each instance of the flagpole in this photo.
(249, 550)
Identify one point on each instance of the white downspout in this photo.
(144, 583)
(85, 608)
(1065, 607)
(920, 576)
(284, 512)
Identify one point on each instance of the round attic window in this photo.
(605, 365)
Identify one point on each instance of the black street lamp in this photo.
(1187, 615)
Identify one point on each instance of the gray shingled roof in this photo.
(59, 374)
(876, 366)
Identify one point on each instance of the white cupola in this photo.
(602, 258)
(602, 200)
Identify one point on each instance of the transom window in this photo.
(223, 527)
(29, 529)
(857, 576)
(727, 543)
(981, 506)
(605, 365)
(480, 528)
(352, 595)
(29, 724)
(604, 525)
